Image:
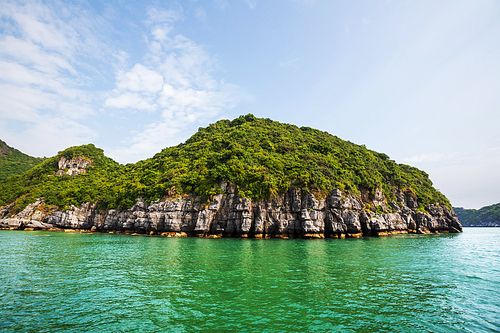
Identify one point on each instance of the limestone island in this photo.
(249, 177)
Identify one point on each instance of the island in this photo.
(247, 177)
(487, 216)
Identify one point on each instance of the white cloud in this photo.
(175, 81)
(431, 157)
(161, 21)
(155, 15)
(128, 100)
(222, 4)
(28, 53)
(149, 140)
(42, 93)
(139, 78)
(47, 136)
(57, 65)
(200, 14)
(41, 26)
(160, 32)
(290, 63)
(20, 75)
(251, 4)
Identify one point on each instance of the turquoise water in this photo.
(117, 283)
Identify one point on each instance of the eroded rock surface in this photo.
(292, 214)
(74, 166)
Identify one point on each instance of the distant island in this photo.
(488, 216)
(247, 177)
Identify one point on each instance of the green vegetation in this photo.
(61, 191)
(488, 215)
(262, 157)
(13, 162)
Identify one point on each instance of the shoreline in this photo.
(258, 236)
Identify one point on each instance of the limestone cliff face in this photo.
(74, 166)
(292, 214)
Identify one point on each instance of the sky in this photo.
(417, 80)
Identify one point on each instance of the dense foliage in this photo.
(488, 215)
(262, 157)
(13, 162)
(61, 191)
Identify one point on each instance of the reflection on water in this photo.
(99, 282)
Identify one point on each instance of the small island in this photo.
(249, 177)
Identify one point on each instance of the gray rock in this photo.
(74, 166)
(290, 214)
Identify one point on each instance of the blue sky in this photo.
(417, 80)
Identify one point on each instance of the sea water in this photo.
(61, 282)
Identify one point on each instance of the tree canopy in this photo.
(261, 157)
(477, 217)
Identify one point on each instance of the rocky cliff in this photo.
(74, 166)
(289, 215)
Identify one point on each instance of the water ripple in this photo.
(102, 282)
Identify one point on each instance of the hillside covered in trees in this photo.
(261, 157)
(488, 216)
(13, 162)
